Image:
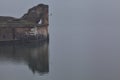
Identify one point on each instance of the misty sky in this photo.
(83, 7)
(18, 7)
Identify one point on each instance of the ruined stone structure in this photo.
(26, 28)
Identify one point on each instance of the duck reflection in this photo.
(34, 55)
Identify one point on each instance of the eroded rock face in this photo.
(33, 16)
(36, 14)
(6, 19)
(27, 27)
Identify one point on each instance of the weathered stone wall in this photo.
(25, 33)
(45, 18)
(35, 33)
(27, 27)
(37, 13)
(6, 34)
(43, 31)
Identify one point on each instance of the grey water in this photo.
(84, 42)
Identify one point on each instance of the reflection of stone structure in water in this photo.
(34, 55)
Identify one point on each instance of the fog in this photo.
(84, 37)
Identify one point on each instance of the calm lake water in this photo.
(84, 45)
